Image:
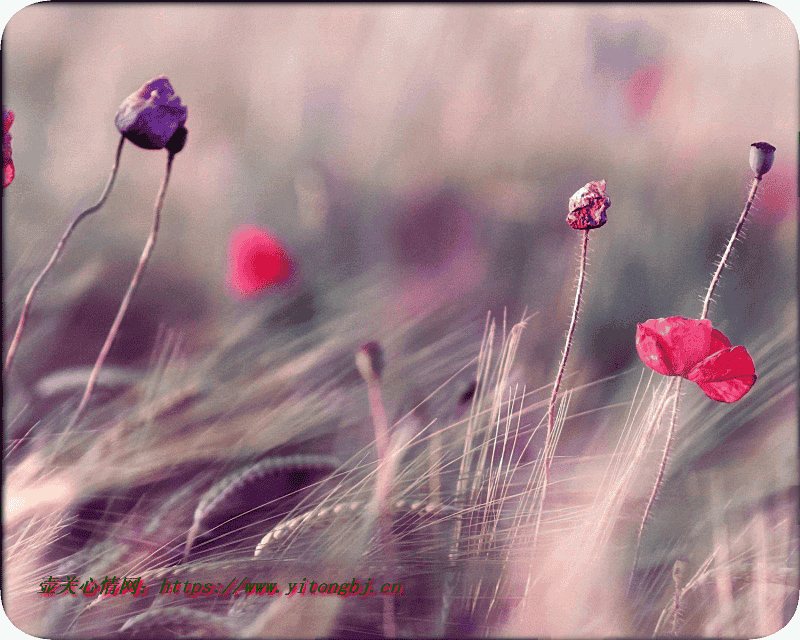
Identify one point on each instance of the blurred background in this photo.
(440, 142)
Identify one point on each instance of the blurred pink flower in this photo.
(643, 87)
(258, 261)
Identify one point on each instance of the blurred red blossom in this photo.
(8, 163)
(694, 350)
(258, 261)
(643, 87)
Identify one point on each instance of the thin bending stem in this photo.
(725, 255)
(378, 418)
(676, 611)
(145, 257)
(59, 248)
(551, 416)
(385, 474)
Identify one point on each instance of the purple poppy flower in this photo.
(152, 115)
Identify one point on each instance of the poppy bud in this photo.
(761, 156)
(8, 164)
(587, 207)
(150, 117)
(369, 361)
(177, 141)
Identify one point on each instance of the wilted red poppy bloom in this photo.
(588, 206)
(258, 261)
(694, 350)
(8, 163)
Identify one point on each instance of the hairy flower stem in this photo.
(378, 418)
(551, 416)
(57, 253)
(703, 315)
(123, 307)
(385, 477)
(725, 255)
(676, 611)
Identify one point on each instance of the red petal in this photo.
(651, 349)
(8, 172)
(726, 375)
(672, 346)
(258, 261)
(719, 341)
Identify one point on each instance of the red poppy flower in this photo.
(694, 350)
(8, 164)
(257, 261)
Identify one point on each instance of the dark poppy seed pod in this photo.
(177, 141)
(369, 361)
(761, 156)
(151, 116)
(587, 207)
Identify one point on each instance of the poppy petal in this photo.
(719, 341)
(725, 376)
(652, 350)
(8, 163)
(672, 346)
(8, 172)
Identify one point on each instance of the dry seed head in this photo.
(220, 491)
(312, 518)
